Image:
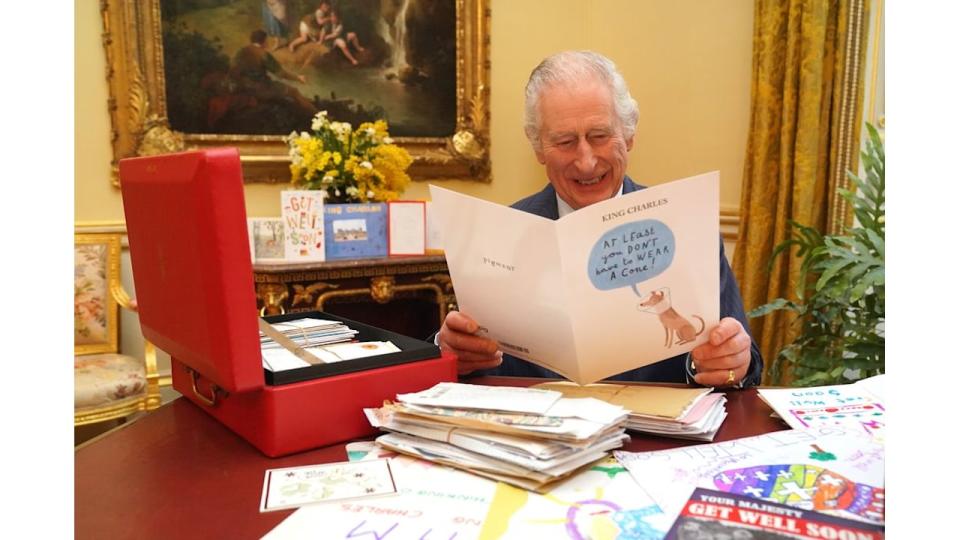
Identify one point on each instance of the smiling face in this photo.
(582, 144)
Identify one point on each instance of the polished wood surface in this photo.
(178, 473)
(409, 295)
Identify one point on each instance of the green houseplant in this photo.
(840, 291)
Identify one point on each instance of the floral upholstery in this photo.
(90, 294)
(107, 385)
(100, 379)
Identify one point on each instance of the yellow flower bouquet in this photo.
(349, 165)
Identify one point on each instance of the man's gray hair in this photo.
(573, 67)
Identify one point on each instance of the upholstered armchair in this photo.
(107, 385)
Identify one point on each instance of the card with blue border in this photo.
(356, 231)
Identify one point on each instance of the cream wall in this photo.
(687, 63)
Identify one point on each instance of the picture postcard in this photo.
(715, 514)
(614, 286)
(267, 242)
(298, 486)
(355, 231)
(302, 214)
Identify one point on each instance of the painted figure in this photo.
(311, 25)
(333, 36)
(274, 13)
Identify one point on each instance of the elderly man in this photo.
(580, 120)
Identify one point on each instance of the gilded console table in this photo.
(408, 295)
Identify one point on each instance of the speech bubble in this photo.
(630, 254)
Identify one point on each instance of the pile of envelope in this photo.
(526, 437)
(668, 411)
(309, 332)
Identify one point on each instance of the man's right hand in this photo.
(458, 335)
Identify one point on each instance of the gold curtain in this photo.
(806, 100)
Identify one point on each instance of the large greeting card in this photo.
(302, 214)
(613, 286)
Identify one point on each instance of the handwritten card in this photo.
(355, 231)
(302, 214)
(297, 486)
(851, 405)
(432, 502)
(407, 227)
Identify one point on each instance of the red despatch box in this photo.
(186, 223)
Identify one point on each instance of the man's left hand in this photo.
(725, 359)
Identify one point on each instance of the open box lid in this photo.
(186, 223)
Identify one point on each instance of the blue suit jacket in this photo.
(672, 369)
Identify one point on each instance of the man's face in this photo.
(582, 144)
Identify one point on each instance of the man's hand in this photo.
(728, 350)
(458, 335)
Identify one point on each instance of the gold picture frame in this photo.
(138, 113)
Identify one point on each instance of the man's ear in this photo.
(629, 142)
(540, 157)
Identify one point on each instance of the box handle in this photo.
(210, 401)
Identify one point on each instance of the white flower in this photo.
(304, 135)
(319, 120)
(366, 164)
(370, 131)
(352, 191)
(370, 194)
(336, 192)
(388, 140)
(327, 179)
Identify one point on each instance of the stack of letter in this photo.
(309, 333)
(526, 437)
(318, 337)
(668, 411)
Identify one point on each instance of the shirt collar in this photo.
(563, 208)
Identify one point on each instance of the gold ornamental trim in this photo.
(132, 41)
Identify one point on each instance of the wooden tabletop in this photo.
(178, 473)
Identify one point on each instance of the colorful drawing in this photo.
(867, 415)
(838, 405)
(302, 214)
(785, 466)
(820, 455)
(599, 504)
(805, 486)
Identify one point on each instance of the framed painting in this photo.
(191, 74)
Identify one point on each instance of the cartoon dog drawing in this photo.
(678, 330)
